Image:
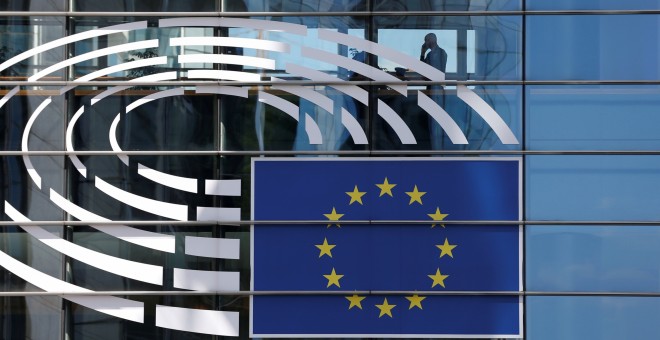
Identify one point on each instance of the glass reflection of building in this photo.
(576, 82)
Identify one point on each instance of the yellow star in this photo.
(333, 278)
(356, 301)
(385, 188)
(356, 196)
(415, 196)
(445, 249)
(438, 217)
(333, 216)
(415, 301)
(438, 279)
(326, 249)
(385, 308)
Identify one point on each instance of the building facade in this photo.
(130, 129)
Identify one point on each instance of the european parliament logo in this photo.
(385, 278)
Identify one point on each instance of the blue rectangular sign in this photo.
(387, 257)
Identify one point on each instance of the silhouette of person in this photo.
(436, 57)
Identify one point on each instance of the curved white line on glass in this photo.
(356, 66)
(282, 104)
(69, 142)
(223, 75)
(353, 91)
(441, 116)
(265, 25)
(154, 96)
(218, 248)
(403, 59)
(118, 266)
(171, 181)
(222, 187)
(206, 280)
(226, 90)
(218, 214)
(487, 113)
(112, 137)
(212, 322)
(140, 237)
(95, 54)
(394, 120)
(152, 77)
(116, 68)
(313, 131)
(24, 142)
(228, 59)
(8, 96)
(353, 127)
(73, 38)
(257, 44)
(169, 210)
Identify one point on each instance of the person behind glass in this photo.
(436, 57)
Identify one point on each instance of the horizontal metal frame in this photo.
(319, 14)
(335, 153)
(184, 83)
(364, 223)
(336, 292)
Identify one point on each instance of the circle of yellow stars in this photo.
(386, 189)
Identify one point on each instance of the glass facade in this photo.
(130, 129)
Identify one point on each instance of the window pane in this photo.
(144, 6)
(593, 47)
(445, 5)
(602, 117)
(294, 6)
(33, 5)
(594, 188)
(20, 34)
(592, 4)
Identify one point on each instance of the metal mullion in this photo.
(8, 83)
(337, 152)
(357, 223)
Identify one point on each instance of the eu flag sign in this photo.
(386, 274)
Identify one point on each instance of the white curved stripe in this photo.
(140, 237)
(95, 54)
(226, 90)
(353, 91)
(222, 187)
(112, 137)
(403, 59)
(152, 77)
(73, 38)
(398, 125)
(170, 210)
(117, 68)
(218, 214)
(282, 104)
(313, 131)
(171, 181)
(8, 96)
(118, 307)
(219, 248)
(441, 116)
(24, 142)
(206, 280)
(356, 66)
(154, 96)
(265, 25)
(228, 59)
(353, 127)
(69, 142)
(488, 114)
(125, 268)
(257, 44)
(223, 75)
(212, 322)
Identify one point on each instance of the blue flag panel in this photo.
(386, 257)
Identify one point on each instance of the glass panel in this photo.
(34, 317)
(593, 47)
(33, 5)
(466, 122)
(595, 188)
(535, 5)
(144, 6)
(592, 258)
(602, 117)
(607, 318)
(446, 5)
(495, 43)
(294, 6)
